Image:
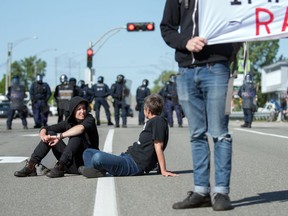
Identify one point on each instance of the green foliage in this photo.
(27, 69)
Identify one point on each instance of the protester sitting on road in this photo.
(142, 156)
(82, 132)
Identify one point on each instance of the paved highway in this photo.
(259, 184)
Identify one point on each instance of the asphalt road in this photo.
(259, 184)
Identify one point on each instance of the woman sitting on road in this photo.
(81, 129)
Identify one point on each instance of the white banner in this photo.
(224, 21)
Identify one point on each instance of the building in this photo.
(274, 80)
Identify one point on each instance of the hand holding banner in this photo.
(225, 21)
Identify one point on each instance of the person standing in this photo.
(172, 102)
(119, 92)
(141, 93)
(62, 95)
(40, 93)
(101, 92)
(82, 132)
(16, 94)
(87, 92)
(248, 94)
(202, 84)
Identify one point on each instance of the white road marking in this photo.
(10, 159)
(261, 133)
(105, 200)
(31, 135)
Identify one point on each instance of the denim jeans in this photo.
(202, 94)
(122, 165)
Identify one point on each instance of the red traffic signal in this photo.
(140, 26)
(90, 52)
(90, 58)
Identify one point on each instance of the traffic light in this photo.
(140, 26)
(90, 57)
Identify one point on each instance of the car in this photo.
(4, 109)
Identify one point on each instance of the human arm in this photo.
(161, 159)
(74, 131)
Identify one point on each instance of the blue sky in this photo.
(69, 26)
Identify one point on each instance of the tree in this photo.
(28, 69)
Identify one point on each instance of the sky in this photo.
(65, 28)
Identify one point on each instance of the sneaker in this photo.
(26, 171)
(90, 172)
(194, 200)
(221, 202)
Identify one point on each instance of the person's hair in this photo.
(154, 103)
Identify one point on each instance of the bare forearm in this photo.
(74, 131)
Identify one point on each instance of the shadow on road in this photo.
(276, 196)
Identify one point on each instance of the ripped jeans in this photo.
(202, 94)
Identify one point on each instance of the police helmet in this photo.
(72, 81)
(39, 78)
(172, 78)
(248, 78)
(63, 79)
(120, 78)
(81, 83)
(15, 80)
(100, 79)
(145, 82)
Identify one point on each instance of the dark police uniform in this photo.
(40, 93)
(16, 95)
(101, 92)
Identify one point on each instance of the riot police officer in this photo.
(248, 94)
(119, 93)
(77, 90)
(87, 92)
(101, 92)
(16, 94)
(141, 92)
(171, 102)
(63, 94)
(40, 93)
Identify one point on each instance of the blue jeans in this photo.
(122, 165)
(202, 94)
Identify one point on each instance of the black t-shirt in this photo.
(143, 151)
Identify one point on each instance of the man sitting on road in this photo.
(142, 156)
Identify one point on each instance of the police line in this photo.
(225, 21)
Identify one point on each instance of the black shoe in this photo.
(124, 126)
(221, 202)
(110, 123)
(117, 126)
(194, 200)
(8, 128)
(25, 127)
(90, 172)
(25, 172)
(37, 126)
(98, 122)
(245, 125)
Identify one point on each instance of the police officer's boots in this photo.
(245, 125)
(28, 170)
